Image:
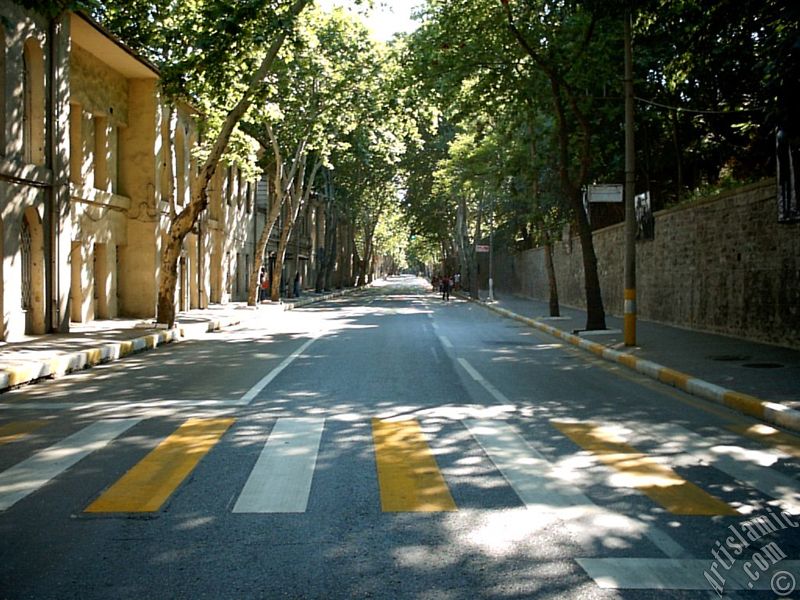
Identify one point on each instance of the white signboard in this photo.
(611, 192)
(481, 248)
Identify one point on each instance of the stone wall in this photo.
(723, 265)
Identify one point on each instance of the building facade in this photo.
(94, 163)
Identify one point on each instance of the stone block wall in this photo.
(723, 265)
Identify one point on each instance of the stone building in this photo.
(94, 161)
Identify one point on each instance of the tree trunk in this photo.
(350, 255)
(261, 246)
(325, 253)
(183, 223)
(331, 258)
(365, 273)
(341, 235)
(552, 284)
(595, 313)
(297, 200)
(325, 272)
(283, 242)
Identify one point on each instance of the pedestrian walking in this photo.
(263, 284)
(445, 288)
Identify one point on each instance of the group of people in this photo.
(263, 285)
(446, 284)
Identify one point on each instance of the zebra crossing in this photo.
(408, 476)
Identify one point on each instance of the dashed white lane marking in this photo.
(445, 342)
(495, 393)
(265, 381)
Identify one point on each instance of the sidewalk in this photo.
(89, 344)
(759, 380)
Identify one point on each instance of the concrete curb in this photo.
(58, 366)
(322, 298)
(769, 412)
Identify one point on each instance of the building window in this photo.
(27, 268)
(229, 186)
(33, 98)
(239, 189)
(180, 163)
(75, 144)
(113, 158)
(101, 153)
(166, 157)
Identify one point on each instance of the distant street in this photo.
(388, 445)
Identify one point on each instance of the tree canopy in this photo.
(492, 109)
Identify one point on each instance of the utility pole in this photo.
(491, 252)
(630, 181)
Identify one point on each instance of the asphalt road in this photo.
(387, 445)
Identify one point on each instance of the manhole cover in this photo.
(729, 357)
(763, 365)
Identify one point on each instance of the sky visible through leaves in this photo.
(386, 18)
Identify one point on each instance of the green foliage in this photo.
(730, 69)
(460, 112)
(392, 236)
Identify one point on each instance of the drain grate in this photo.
(763, 365)
(730, 357)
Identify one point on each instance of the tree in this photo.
(317, 100)
(217, 55)
(365, 176)
(537, 40)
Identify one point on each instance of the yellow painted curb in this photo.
(750, 405)
(769, 412)
(673, 378)
(93, 356)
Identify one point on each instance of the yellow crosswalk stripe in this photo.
(658, 482)
(13, 431)
(769, 436)
(152, 481)
(408, 476)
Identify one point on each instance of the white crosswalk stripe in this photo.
(31, 474)
(748, 466)
(280, 481)
(542, 490)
